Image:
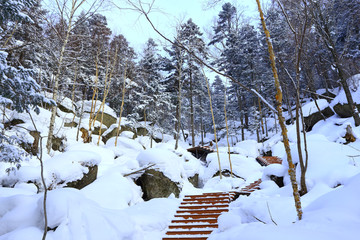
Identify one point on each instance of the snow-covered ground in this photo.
(112, 207)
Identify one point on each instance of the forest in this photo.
(66, 79)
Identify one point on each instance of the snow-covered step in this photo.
(204, 206)
(207, 199)
(201, 237)
(203, 211)
(209, 202)
(197, 216)
(193, 226)
(192, 232)
(194, 221)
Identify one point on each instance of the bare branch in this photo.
(144, 12)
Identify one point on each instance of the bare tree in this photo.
(278, 98)
(299, 34)
(62, 8)
(322, 26)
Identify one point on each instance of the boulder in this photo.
(96, 130)
(141, 131)
(112, 133)
(315, 117)
(65, 109)
(344, 110)
(155, 184)
(194, 180)
(58, 143)
(70, 124)
(327, 96)
(108, 120)
(12, 123)
(86, 179)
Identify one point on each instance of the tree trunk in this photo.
(278, 98)
(325, 33)
(192, 110)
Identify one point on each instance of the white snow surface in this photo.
(311, 107)
(98, 107)
(112, 207)
(354, 83)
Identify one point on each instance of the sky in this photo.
(166, 15)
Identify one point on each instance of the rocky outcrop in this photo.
(107, 120)
(58, 143)
(194, 180)
(112, 133)
(86, 179)
(312, 119)
(344, 110)
(12, 123)
(155, 184)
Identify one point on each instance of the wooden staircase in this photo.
(197, 215)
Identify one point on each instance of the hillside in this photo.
(112, 206)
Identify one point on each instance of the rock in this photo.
(113, 133)
(155, 184)
(344, 110)
(96, 130)
(312, 119)
(86, 180)
(70, 124)
(141, 131)
(58, 144)
(194, 180)
(327, 96)
(65, 109)
(12, 123)
(278, 180)
(226, 173)
(108, 120)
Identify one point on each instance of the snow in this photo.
(165, 161)
(97, 104)
(311, 107)
(353, 83)
(112, 206)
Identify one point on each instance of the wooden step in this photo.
(184, 221)
(190, 226)
(203, 206)
(207, 195)
(197, 216)
(185, 238)
(204, 232)
(206, 199)
(197, 203)
(220, 210)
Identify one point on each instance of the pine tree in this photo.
(18, 89)
(155, 99)
(190, 37)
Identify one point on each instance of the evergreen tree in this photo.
(155, 99)
(18, 89)
(191, 37)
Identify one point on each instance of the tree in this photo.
(155, 99)
(190, 36)
(329, 36)
(218, 90)
(278, 98)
